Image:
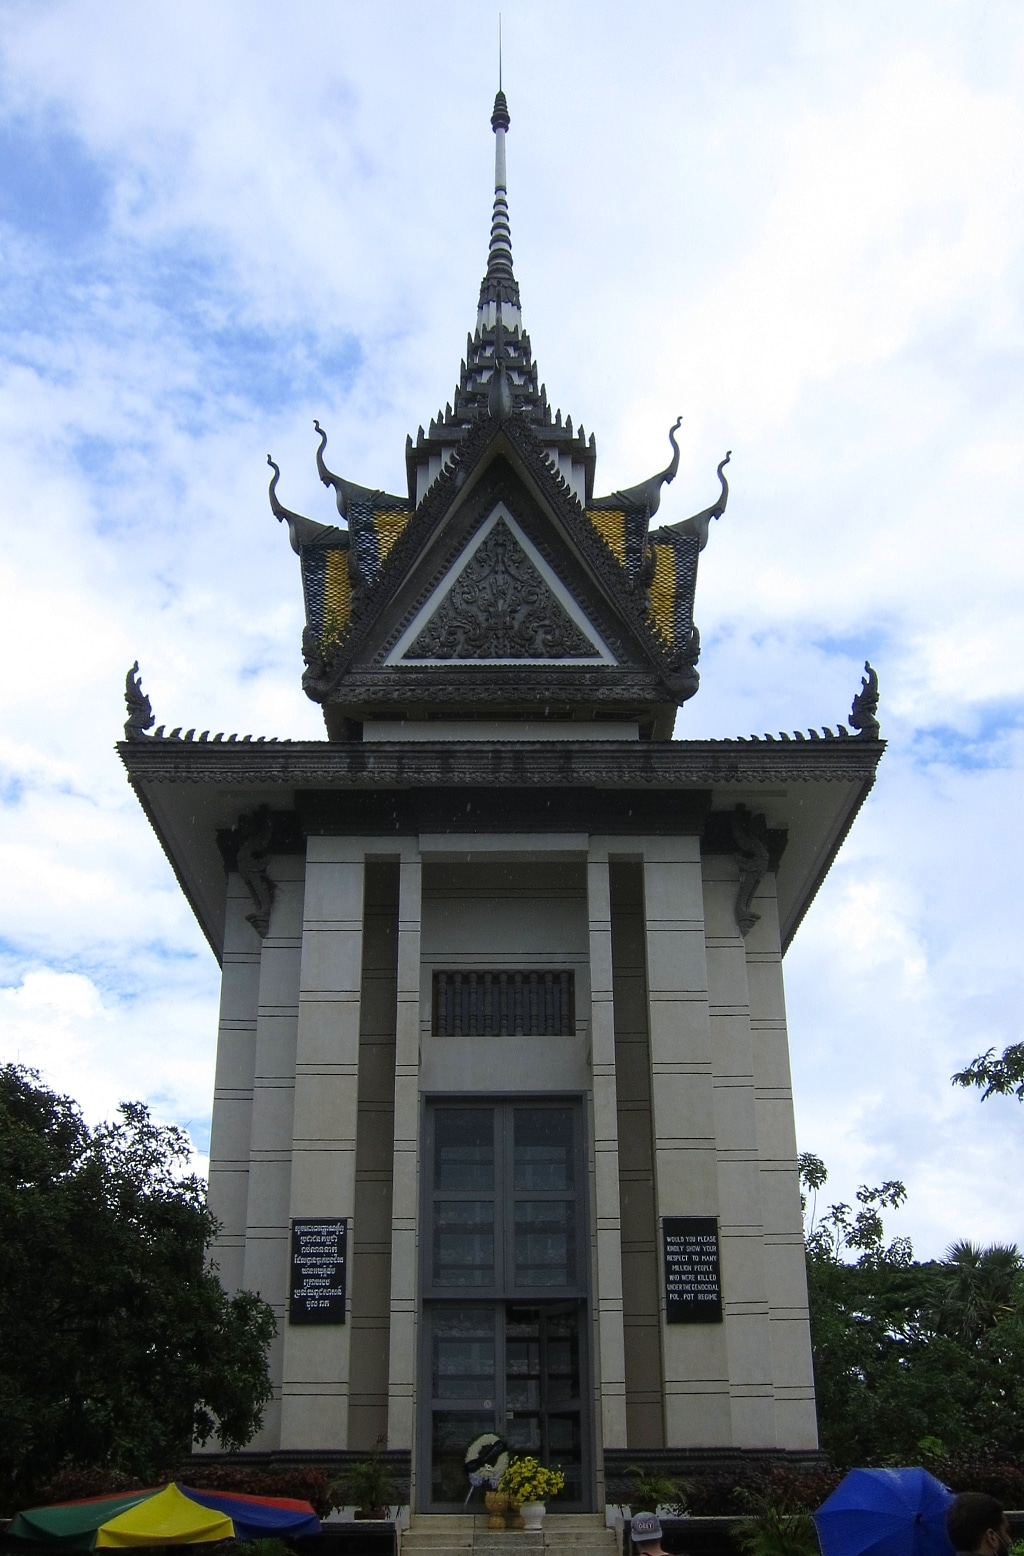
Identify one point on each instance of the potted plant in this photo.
(527, 1485)
(774, 1527)
(649, 1491)
(368, 1486)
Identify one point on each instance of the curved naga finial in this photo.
(865, 705)
(700, 523)
(140, 711)
(648, 493)
(345, 492)
(301, 531)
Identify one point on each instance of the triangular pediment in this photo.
(501, 603)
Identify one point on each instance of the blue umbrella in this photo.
(885, 1513)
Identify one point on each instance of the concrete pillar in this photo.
(315, 1383)
(610, 1358)
(697, 1403)
(405, 1193)
(231, 1126)
(266, 1235)
(786, 1274)
(741, 1230)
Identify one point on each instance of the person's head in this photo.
(646, 1531)
(976, 1522)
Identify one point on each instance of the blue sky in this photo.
(800, 225)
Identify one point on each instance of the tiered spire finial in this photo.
(499, 284)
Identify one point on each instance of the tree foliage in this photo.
(994, 1077)
(119, 1343)
(907, 1351)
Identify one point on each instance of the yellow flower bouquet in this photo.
(526, 1480)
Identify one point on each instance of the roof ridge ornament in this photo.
(699, 524)
(647, 494)
(500, 403)
(865, 706)
(140, 709)
(300, 530)
(345, 492)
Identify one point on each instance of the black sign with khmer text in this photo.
(693, 1277)
(319, 1264)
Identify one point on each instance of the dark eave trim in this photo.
(534, 764)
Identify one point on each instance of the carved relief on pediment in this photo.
(499, 607)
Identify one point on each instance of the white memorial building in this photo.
(503, 1126)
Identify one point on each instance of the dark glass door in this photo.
(513, 1370)
(543, 1394)
(504, 1276)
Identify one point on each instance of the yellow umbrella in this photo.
(166, 1519)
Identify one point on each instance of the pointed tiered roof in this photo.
(499, 349)
(359, 578)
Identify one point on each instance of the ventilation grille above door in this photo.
(504, 1004)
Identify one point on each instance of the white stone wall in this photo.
(270, 1156)
(231, 1125)
(785, 1267)
(285, 1115)
(477, 915)
(314, 1405)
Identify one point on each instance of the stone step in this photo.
(442, 1535)
(436, 1544)
(415, 1542)
(459, 1521)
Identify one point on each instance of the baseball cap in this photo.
(645, 1527)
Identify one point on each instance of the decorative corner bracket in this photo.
(140, 711)
(750, 834)
(253, 834)
(865, 705)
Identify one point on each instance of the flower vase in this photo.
(496, 1503)
(533, 1516)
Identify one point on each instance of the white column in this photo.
(697, 1403)
(744, 1281)
(406, 1184)
(786, 1272)
(611, 1360)
(231, 1125)
(314, 1394)
(266, 1237)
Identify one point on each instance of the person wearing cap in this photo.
(645, 1531)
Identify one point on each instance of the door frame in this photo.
(581, 1296)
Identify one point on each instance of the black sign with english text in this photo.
(693, 1277)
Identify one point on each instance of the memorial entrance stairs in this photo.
(467, 1534)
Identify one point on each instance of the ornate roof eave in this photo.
(486, 440)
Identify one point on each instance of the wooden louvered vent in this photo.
(504, 1004)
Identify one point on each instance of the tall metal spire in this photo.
(499, 284)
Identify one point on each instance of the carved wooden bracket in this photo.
(254, 832)
(750, 834)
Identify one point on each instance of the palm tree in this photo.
(976, 1287)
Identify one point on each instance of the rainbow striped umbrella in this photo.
(166, 1515)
